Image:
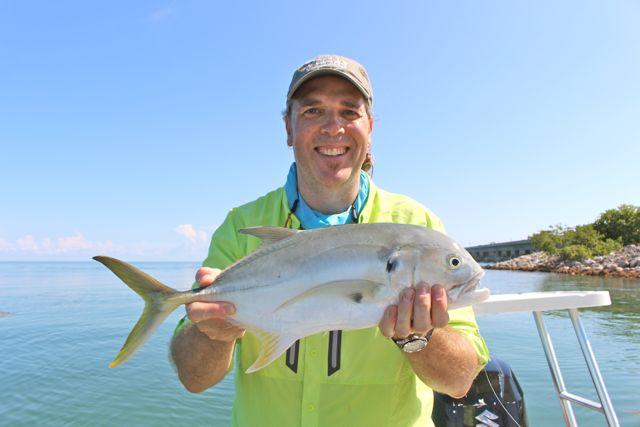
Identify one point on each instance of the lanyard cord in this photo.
(288, 221)
(354, 215)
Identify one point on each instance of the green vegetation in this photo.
(574, 244)
(613, 229)
(622, 224)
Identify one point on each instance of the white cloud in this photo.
(27, 243)
(187, 231)
(6, 246)
(47, 245)
(192, 246)
(73, 243)
(192, 234)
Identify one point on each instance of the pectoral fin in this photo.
(272, 347)
(358, 291)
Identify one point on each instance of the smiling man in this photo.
(380, 376)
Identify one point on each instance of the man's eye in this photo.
(351, 114)
(312, 111)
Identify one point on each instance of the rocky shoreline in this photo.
(624, 262)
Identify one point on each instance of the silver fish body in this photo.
(299, 283)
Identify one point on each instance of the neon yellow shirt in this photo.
(348, 378)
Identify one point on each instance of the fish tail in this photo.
(160, 301)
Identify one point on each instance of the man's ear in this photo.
(287, 127)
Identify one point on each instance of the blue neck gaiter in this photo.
(310, 218)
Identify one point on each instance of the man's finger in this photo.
(388, 322)
(422, 310)
(199, 311)
(206, 275)
(405, 312)
(439, 305)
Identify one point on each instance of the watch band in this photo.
(414, 343)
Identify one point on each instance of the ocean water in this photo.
(66, 321)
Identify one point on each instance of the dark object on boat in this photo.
(495, 399)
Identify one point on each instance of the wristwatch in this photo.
(414, 343)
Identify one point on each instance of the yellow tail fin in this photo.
(158, 304)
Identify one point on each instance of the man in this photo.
(377, 376)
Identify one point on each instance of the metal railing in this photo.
(538, 302)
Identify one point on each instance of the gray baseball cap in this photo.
(341, 66)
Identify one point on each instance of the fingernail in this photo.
(422, 291)
(439, 291)
(407, 294)
(228, 309)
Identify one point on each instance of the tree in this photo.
(621, 224)
(574, 244)
(551, 240)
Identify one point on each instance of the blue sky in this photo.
(131, 128)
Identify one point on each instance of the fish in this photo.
(301, 282)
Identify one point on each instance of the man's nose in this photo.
(333, 124)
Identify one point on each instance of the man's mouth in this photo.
(332, 151)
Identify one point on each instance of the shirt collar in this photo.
(310, 218)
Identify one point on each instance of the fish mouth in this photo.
(466, 286)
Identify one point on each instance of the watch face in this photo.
(415, 345)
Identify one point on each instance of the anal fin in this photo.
(272, 347)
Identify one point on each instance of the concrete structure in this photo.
(495, 252)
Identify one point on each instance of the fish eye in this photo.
(454, 261)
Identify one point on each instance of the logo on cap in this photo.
(324, 62)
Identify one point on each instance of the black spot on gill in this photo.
(391, 265)
(198, 290)
(357, 297)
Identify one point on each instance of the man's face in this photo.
(330, 132)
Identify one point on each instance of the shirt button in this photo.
(314, 353)
(311, 407)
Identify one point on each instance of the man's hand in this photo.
(209, 317)
(418, 311)
(449, 363)
(203, 352)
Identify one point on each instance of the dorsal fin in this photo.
(269, 234)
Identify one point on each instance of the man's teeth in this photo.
(332, 151)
